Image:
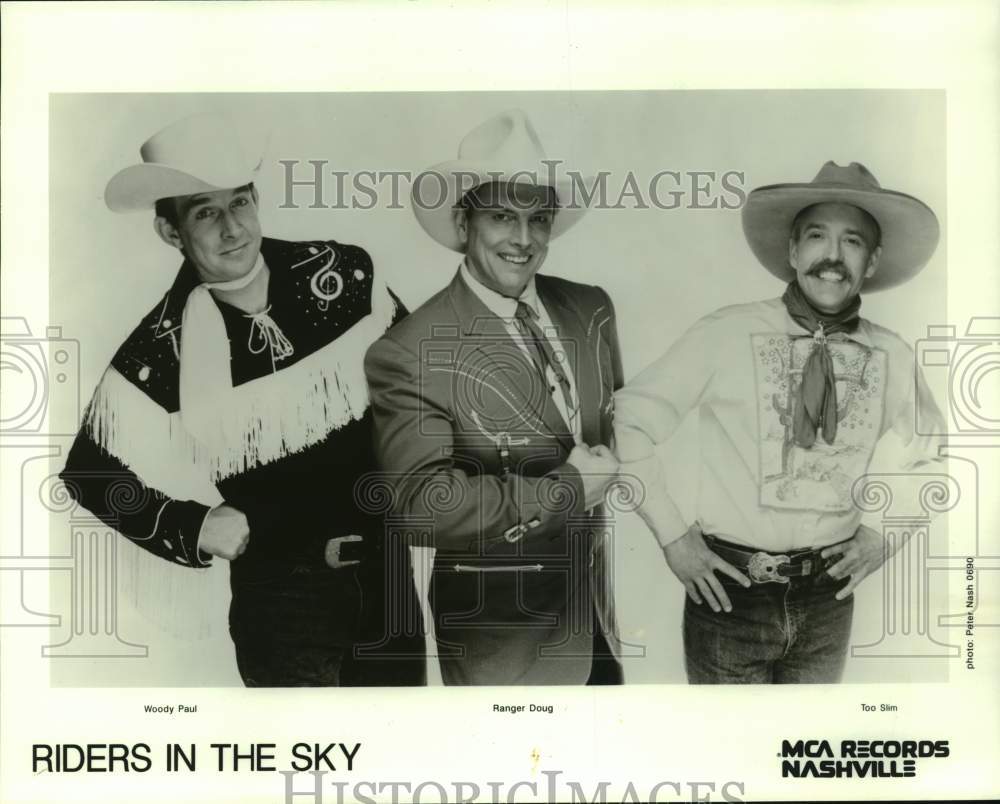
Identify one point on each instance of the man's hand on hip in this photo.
(225, 533)
(860, 557)
(695, 566)
(597, 467)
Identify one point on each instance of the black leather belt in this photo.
(761, 566)
(323, 553)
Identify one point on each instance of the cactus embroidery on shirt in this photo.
(819, 478)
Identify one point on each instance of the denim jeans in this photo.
(777, 633)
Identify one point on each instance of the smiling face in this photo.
(504, 230)
(218, 232)
(834, 248)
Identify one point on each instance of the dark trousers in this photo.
(320, 627)
(605, 669)
(390, 650)
(777, 633)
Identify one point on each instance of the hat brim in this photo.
(910, 230)
(433, 199)
(139, 187)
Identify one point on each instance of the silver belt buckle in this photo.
(331, 552)
(763, 568)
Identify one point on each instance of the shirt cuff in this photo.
(187, 522)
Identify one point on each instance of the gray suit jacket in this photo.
(475, 452)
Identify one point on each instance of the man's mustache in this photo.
(828, 265)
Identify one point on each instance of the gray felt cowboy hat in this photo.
(910, 229)
(199, 154)
(505, 148)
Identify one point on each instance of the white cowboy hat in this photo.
(503, 149)
(198, 154)
(910, 229)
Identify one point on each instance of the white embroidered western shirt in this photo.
(740, 367)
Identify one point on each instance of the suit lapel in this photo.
(526, 389)
(565, 314)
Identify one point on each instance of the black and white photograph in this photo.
(444, 400)
(447, 438)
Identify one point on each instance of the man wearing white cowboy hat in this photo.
(237, 412)
(792, 394)
(492, 410)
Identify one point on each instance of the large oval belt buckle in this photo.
(763, 568)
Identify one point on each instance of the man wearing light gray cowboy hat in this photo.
(792, 395)
(492, 410)
(237, 411)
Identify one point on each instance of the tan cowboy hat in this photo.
(505, 148)
(198, 154)
(909, 228)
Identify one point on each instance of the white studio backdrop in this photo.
(663, 268)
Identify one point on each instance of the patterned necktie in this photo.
(542, 353)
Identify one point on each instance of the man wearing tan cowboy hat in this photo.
(237, 413)
(492, 410)
(792, 395)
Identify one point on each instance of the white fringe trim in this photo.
(270, 417)
(185, 603)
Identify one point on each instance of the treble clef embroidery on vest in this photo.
(326, 284)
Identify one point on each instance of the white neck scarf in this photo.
(206, 379)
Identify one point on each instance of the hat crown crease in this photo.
(205, 147)
(502, 149)
(854, 175)
(507, 139)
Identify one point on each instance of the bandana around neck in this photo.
(816, 406)
(205, 373)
